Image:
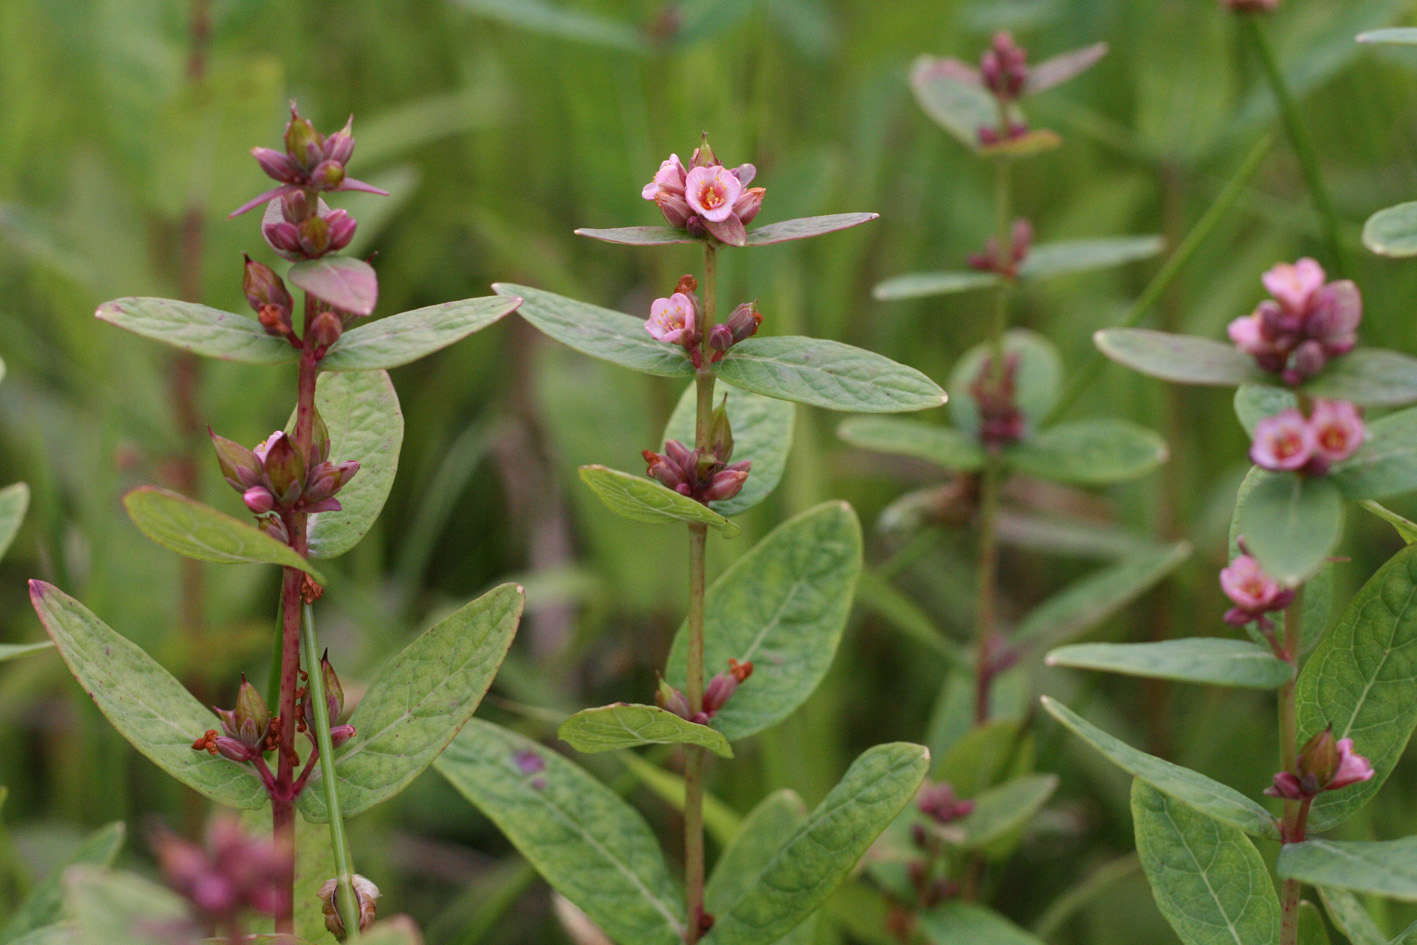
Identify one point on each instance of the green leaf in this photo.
(598, 332)
(14, 500)
(825, 848)
(1191, 788)
(1370, 377)
(200, 531)
(1254, 402)
(721, 821)
(764, 832)
(562, 22)
(1002, 811)
(198, 329)
(344, 282)
(148, 707)
(645, 500)
(590, 845)
(1350, 917)
(1393, 231)
(781, 606)
(1092, 599)
(827, 374)
(806, 227)
(1181, 358)
(1406, 528)
(625, 725)
(58, 934)
(13, 651)
(1386, 463)
(983, 754)
(931, 442)
(1039, 373)
(419, 701)
(1208, 879)
(1382, 868)
(968, 923)
(958, 107)
(1400, 35)
(1360, 679)
(44, 905)
(361, 411)
(918, 285)
(762, 434)
(117, 908)
(1290, 523)
(1312, 930)
(1054, 259)
(397, 340)
(1206, 660)
(1093, 452)
(640, 235)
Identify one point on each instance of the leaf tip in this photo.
(38, 589)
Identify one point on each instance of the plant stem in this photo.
(345, 899)
(1168, 272)
(1298, 138)
(1295, 812)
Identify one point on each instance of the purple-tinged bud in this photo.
(1022, 239)
(720, 338)
(297, 208)
(726, 483)
(1323, 765)
(749, 202)
(239, 465)
(301, 138)
(323, 505)
(251, 715)
(365, 892)
(283, 237)
(1336, 311)
(315, 237)
(276, 529)
(276, 165)
(676, 210)
(988, 136)
(325, 329)
(334, 692)
(264, 289)
(672, 700)
(703, 155)
(939, 803)
(1283, 442)
(1004, 68)
(745, 174)
(721, 433)
(744, 320)
(340, 734)
(327, 175)
(259, 500)
(1294, 285)
(719, 690)
(1307, 360)
(341, 227)
(319, 438)
(285, 470)
(339, 147)
(234, 749)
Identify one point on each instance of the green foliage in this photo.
(961, 921)
(646, 500)
(1001, 813)
(1369, 377)
(762, 434)
(419, 702)
(1040, 372)
(827, 374)
(917, 285)
(13, 651)
(1056, 259)
(1349, 916)
(764, 832)
(1393, 231)
(113, 908)
(1383, 868)
(625, 725)
(14, 500)
(1182, 358)
(782, 232)
(1290, 523)
(44, 905)
(1094, 452)
(198, 329)
(940, 445)
(1386, 463)
(1209, 880)
(399, 339)
(1211, 661)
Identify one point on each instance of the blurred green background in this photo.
(501, 125)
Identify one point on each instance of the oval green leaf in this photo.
(931, 442)
(144, 702)
(1360, 679)
(598, 332)
(1205, 660)
(1386, 463)
(199, 531)
(1254, 402)
(806, 227)
(828, 374)
(1191, 788)
(959, 922)
(1291, 524)
(1370, 377)
(781, 606)
(1351, 918)
(1181, 358)
(1209, 881)
(344, 282)
(961, 108)
(825, 848)
(639, 235)
(1382, 868)
(419, 701)
(1055, 259)
(45, 903)
(645, 500)
(918, 285)
(119, 908)
(1095, 452)
(762, 434)
(1002, 811)
(591, 846)
(1393, 231)
(397, 340)
(765, 830)
(198, 329)
(14, 500)
(626, 725)
(1039, 373)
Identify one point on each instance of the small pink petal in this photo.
(712, 191)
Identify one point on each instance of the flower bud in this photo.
(744, 320)
(259, 500)
(675, 208)
(341, 229)
(302, 141)
(727, 483)
(283, 237)
(938, 802)
(325, 329)
(720, 338)
(339, 147)
(276, 529)
(719, 690)
(340, 734)
(251, 715)
(671, 700)
(263, 287)
(234, 749)
(319, 438)
(334, 692)
(315, 237)
(285, 469)
(749, 202)
(238, 464)
(327, 175)
(721, 432)
(365, 893)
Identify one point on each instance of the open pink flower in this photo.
(1338, 429)
(1323, 765)
(673, 319)
(1305, 325)
(1253, 592)
(668, 179)
(1294, 285)
(706, 197)
(1283, 442)
(712, 192)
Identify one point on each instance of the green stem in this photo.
(345, 899)
(1295, 812)
(1298, 138)
(1168, 272)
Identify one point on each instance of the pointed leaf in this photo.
(1181, 358)
(1055, 259)
(1059, 69)
(781, 606)
(824, 849)
(45, 903)
(1393, 230)
(1382, 868)
(1094, 452)
(1370, 377)
(149, 708)
(762, 434)
(1209, 880)
(928, 441)
(625, 725)
(1399, 35)
(344, 282)
(14, 500)
(645, 500)
(1004, 810)
(1191, 788)
(117, 908)
(13, 651)
(590, 845)
(397, 340)
(639, 235)
(764, 832)
(1386, 463)
(1205, 660)
(1406, 528)
(198, 329)
(961, 108)
(1360, 678)
(1291, 524)
(827, 374)
(806, 227)
(1039, 373)
(919, 285)
(958, 922)
(199, 531)
(1348, 914)
(598, 332)
(418, 702)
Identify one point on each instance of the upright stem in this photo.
(1298, 138)
(1295, 812)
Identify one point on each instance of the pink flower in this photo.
(1306, 324)
(712, 192)
(672, 320)
(1323, 765)
(1352, 767)
(1252, 591)
(1294, 285)
(706, 197)
(668, 179)
(1283, 442)
(1338, 429)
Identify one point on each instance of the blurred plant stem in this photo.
(1303, 148)
(1295, 812)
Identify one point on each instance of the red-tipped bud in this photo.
(325, 329)
(259, 500)
(726, 483)
(938, 802)
(302, 142)
(340, 734)
(749, 202)
(740, 670)
(744, 320)
(251, 716)
(671, 700)
(339, 147)
(327, 175)
(676, 210)
(341, 229)
(720, 338)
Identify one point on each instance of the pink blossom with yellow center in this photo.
(1338, 429)
(712, 192)
(1283, 442)
(672, 320)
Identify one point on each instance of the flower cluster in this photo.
(1323, 765)
(706, 197)
(939, 803)
(1305, 324)
(1291, 442)
(705, 479)
(248, 728)
(1000, 420)
(679, 320)
(311, 163)
(365, 892)
(716, 694)
(233, 874)
(992, 259)
(1253, 592)
(275, 478)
